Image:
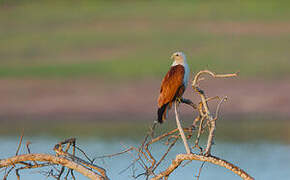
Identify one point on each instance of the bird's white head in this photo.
(179, 58)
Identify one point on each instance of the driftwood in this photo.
(143, 156)
(62, 158)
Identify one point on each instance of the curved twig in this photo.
(197, 76)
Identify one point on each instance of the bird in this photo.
(173, 85)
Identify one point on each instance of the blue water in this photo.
(262, 160)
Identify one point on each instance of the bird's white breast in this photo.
(186, 74)
(186, 71)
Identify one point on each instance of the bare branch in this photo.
(180, 129)
(60, 152)
(20, 142)
(7, 173)
(199, 171)
(52, 159)
(197, 76)
(115, 154)
(211, 159)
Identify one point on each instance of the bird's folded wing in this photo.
(171, 83)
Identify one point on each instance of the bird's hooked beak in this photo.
(172, 56)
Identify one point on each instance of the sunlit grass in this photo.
(63, 38)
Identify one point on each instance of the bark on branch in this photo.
(211, 159)
(62, 158)
(12, 161)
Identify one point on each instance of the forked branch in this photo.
(204, 115)
(211, 159)
(62, 158)
(52, 160)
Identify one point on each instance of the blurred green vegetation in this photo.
(133, 39)
(247, 129)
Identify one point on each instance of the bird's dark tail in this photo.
(162, 113)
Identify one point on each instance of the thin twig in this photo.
(20, 142)
(116, 154)
(7, 173)
(199, 171)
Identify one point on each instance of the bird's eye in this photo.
(177, 54)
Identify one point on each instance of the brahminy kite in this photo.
(173, 85)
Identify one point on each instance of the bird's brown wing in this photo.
(171, 84)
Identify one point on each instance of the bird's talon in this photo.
(179, 100)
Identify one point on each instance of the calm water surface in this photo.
(263, 160)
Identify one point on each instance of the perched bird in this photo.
(173, 85)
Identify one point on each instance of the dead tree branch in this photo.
(62, 158)
(205, 120)
(205, 108)
(180, 128)
(51, 159)
(212, 159)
